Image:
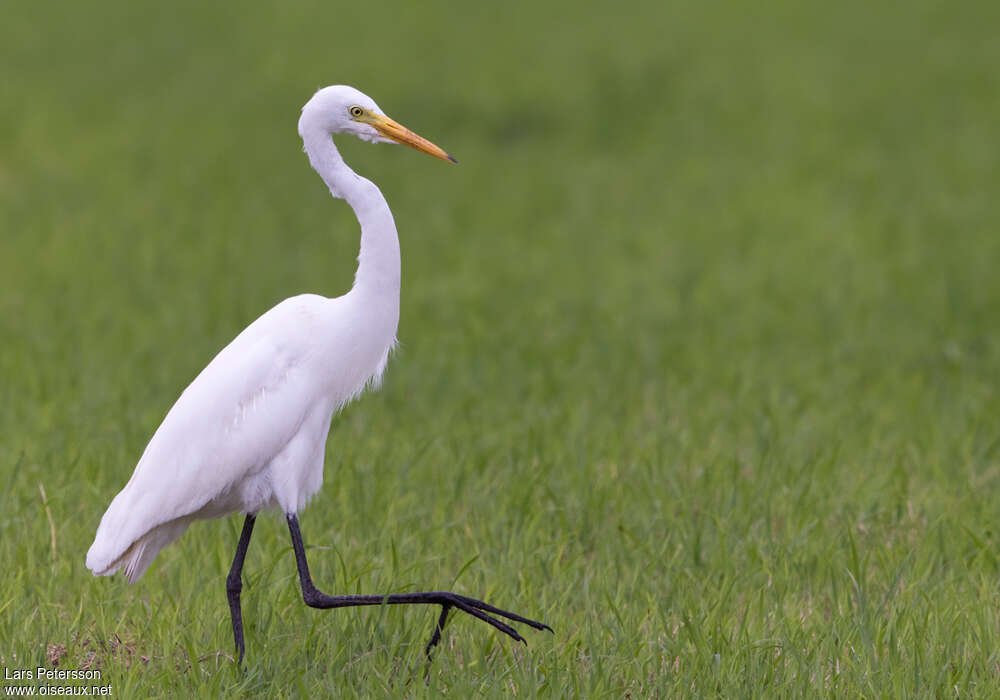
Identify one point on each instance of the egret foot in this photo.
(447, 600)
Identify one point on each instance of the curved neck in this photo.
(378, 260)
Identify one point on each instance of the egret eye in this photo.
(356, 111)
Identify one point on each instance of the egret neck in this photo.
(378, 274)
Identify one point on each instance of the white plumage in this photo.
(249, 432)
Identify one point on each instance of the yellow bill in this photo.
(392, 129)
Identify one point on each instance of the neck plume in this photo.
(378, 271)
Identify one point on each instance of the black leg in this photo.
(234, 584)
(446, 600)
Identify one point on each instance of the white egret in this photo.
(249, 433)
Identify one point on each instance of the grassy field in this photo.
(699, 355)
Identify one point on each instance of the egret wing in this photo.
(226, 426)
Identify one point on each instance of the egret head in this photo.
(340, 109)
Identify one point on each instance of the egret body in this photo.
(250, 431)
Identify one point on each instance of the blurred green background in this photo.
(697, 364)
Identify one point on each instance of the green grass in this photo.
(699, 356)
